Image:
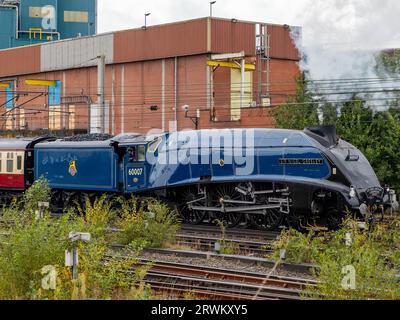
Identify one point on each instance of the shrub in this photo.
(300, 248)
(151, 224)
(36, 243)
(372, 255)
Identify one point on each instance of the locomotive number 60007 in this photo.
(135, 172)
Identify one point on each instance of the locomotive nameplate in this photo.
(301, 161)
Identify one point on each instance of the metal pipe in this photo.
(163, 95)
(243, 73)
(123, 99)
(100, 89)
(44, 32)
(176, 92)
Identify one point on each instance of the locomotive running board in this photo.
(239, 209)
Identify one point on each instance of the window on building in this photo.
(237, 101)
(9, 97)
(76, 16)
(71, 117)
(22, 123)
(55, 94)
(55, 118)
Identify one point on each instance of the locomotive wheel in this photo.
(227, 192)
(295, 221)
(269, 221)
(57, 202)
(191, 216)
(334, 219)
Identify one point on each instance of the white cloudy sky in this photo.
(339, 37)
(129, 13)
(329, 22)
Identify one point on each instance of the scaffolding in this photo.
(263, 65)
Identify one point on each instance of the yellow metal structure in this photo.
(232, 65)
(46, 83)
(5, 85)
(237, 101)
(34, 32)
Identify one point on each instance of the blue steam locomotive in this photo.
(263, 176)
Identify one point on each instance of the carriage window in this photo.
(10, 166)
(0, 165)
(19, 163)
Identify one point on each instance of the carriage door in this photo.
(136, 168)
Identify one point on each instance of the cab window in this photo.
(137, 154)
(142, 153)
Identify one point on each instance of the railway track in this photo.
(177, 273)
(243, 232)
(242, 241)
(220, 284)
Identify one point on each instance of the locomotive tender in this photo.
(308, 177)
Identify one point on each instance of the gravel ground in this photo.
(221, 263)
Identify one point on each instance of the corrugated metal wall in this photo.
(140, 74)
(23, 60)
(281, 43)
(228, 36)
(170, 40)
(178, 39)
(76, 53)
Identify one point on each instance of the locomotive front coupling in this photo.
(378, 200)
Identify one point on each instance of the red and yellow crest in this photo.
(72, 168)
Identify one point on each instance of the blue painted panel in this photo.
(55, 94)
(222, 163)
(7, 27)
(27, 22)
(319, 169)
(72, 29)
(9, 97)
(200, 164)
(268, 161)
(135, 177)
(84, 168)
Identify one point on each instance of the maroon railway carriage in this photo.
(16, 166)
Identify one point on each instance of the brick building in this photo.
(228, 73)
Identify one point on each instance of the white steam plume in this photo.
(341, 39)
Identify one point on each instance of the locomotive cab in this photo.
(135, 161)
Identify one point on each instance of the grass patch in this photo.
(353, 264)
(32, 256)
